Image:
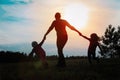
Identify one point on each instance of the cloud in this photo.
(2, 12)
(13, 16)
(12, 2)
(10, 10)
(12, 19)
(96, 4)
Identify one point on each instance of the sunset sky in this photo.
(24, 21)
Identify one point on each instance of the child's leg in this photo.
(95, 58)
(43, 59)
(89, 58)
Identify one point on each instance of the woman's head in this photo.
(57, 16)
(94, 37)
(34, 43)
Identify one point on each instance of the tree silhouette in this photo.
(111, 42)
(9, 56)
(117, 42)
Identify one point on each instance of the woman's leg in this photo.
(60, 45)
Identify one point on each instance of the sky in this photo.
(24, 21)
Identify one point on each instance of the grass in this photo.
(77, 69)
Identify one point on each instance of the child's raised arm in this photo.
(42, 41)
(85, 37)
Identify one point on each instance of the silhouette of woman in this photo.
(62, 37)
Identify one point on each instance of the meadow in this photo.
(77, 69)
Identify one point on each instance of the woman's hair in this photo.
(94, 37)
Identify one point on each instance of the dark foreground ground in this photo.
(77, 69)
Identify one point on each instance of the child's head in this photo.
(94, 37)
(34, 43)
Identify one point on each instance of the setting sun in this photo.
(76, 14)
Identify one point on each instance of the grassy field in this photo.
(77, 69)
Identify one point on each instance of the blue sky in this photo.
(23, 21)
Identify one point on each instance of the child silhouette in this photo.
(92, 46)
(39, 51)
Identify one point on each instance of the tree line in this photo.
(9, 56)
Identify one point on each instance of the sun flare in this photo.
(76, 14)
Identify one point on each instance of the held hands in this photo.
(44, 38)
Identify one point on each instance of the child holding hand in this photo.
(39, 51)
(92, 46)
